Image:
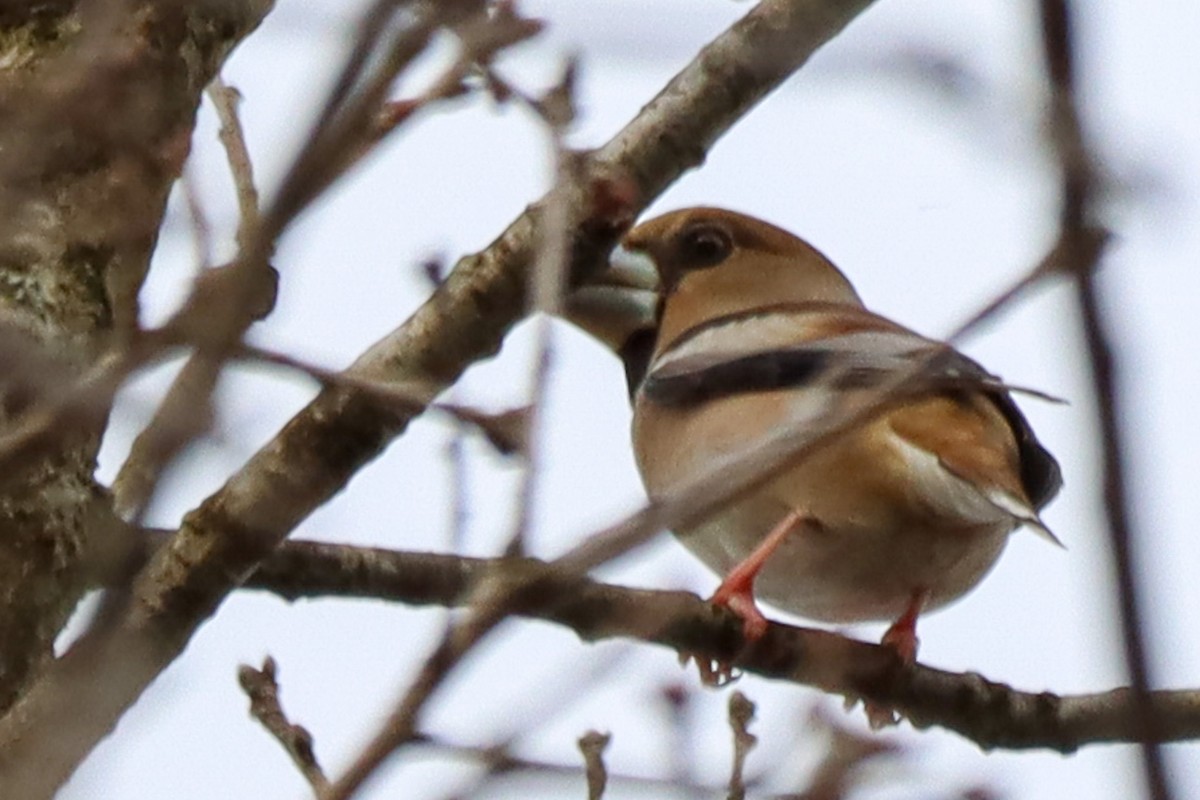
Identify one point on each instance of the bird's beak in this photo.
(619, 302)
(632, 268)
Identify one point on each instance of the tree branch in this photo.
(993, 715)
(262, 688)
(1077, 187)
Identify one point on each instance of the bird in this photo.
(732, 328)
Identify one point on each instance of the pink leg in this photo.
(736, 592)
(901, 637)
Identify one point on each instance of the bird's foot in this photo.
(714, 673)
(736, 593)
(739, 599)
(901, 637)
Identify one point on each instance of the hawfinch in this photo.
(732, 328)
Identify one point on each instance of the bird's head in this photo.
(686, 267)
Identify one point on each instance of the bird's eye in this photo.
(705, 246)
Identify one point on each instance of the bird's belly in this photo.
(853, 573)
(877, 538)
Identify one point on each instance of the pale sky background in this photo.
(929, 199)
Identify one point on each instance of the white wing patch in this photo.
(1023, 513)
(743, 336)
(739, 337)
(953, 496)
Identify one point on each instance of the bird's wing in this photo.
(794, 347)
(963, 457)
(817, 346)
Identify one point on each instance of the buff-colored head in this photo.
(711, 262)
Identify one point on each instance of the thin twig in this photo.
(460, 505)
(478, 45)
(677, 698)
(593, 744)
(543, 708)
(543, 363)
(186, 413)
(506, 430)
(1077, 177)
(494, 600)
(546, 289)
(200, 226)
(847, 754)
(432, 269)
(225, 303)
(225, 100)
(1122, 534)
(556, 109)
(1088, 242)
(77, 404)
(741, 714)
(261, 686)
(382, 50)
(499, 760)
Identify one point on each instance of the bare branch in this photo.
(550, 266)
(225, 100)
(991, 714)
(492, 600)
(262, 688)
(225, 302)
(501, 761)
(507, 431)
(200, 226)
(677, 698)
(549, 272)
(480, 41)
(593, 744)
(1077, 179)
(848, 752)
(498, 755)
(741, 714)
(185, 415)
